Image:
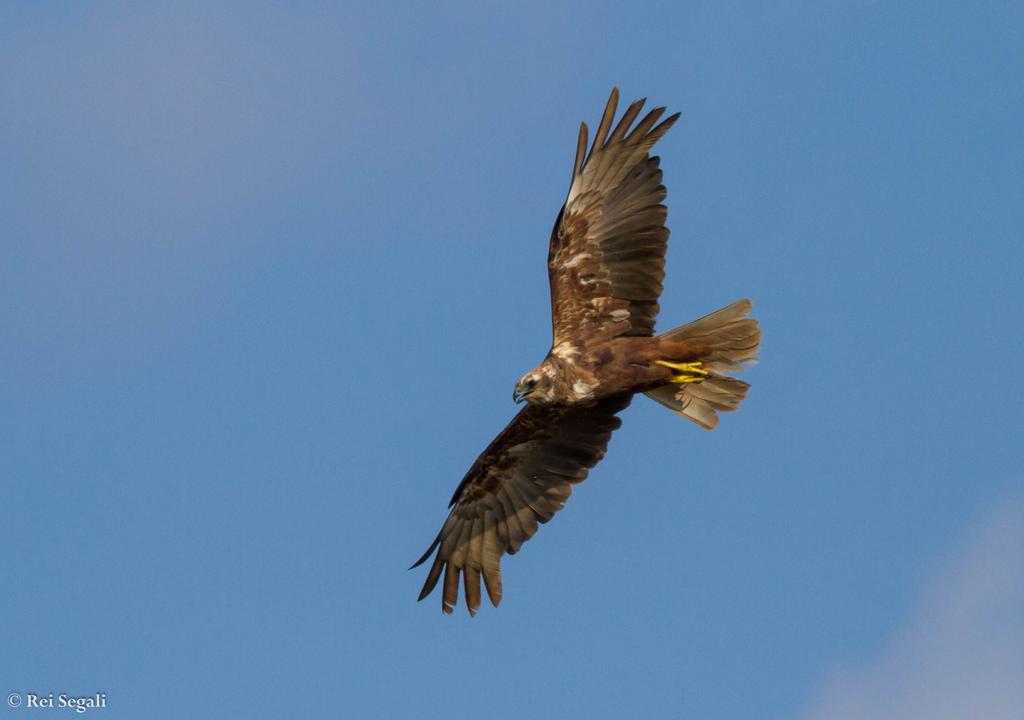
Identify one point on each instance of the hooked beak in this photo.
(518, 395)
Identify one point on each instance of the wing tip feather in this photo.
(606, 120)
(581, 152)
(432, 577)
(428, 553)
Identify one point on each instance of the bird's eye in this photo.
(531, 383)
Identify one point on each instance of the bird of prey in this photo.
(606, 264)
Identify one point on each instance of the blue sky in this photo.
(268, 273)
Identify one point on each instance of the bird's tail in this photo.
(709, 349)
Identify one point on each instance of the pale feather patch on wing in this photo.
(565, 350)
(575, 260)
(582, 390)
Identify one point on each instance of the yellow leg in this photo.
(690, 372)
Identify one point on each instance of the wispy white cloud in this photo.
(962, 656)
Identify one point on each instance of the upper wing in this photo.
(523, 478)
(607, 255)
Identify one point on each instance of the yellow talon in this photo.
(691, 372)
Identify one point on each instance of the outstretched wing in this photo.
(607, 255)
(522, 479)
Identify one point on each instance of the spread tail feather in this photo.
(724, 341)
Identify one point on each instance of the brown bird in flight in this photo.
(605, 265)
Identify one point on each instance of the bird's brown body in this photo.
(620, 365)
(605, 266)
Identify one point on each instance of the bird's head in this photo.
(535, 387)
